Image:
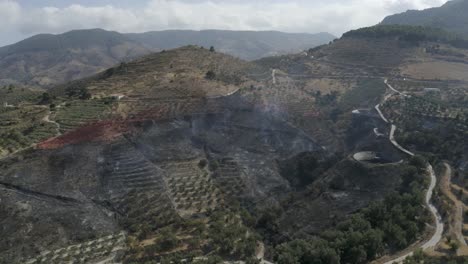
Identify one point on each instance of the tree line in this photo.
(411, 34)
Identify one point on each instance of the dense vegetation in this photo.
(223, 234)
(384, 226)
(430, 125)
(420, 257)
(410, 34)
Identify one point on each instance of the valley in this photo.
(354, 151)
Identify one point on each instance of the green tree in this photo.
(168, 239)
(210, 75)
(454, 246)
(45, 98)
(78, 91)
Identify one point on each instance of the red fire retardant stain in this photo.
(99, 131)
(109, 130)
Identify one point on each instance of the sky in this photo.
(24, 18)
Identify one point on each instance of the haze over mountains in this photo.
(248, 45)
(46, 59)
(451, 17)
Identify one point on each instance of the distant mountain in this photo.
(47, 59)
(249, 45)
(451, 16)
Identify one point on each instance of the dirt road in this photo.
(47, 120)
(457, 224)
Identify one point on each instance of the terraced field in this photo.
(80, 112)
(136, 189)
(128, 170)
(20, 127)
(12, 95)
(191, 187)
(418, 107)
(143, 212)
(93, 251)
(230, 178)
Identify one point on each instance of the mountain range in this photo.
(247, 45)
(45, 60)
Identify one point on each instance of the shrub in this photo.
(78, 91)
(45, 98)
(210, 75)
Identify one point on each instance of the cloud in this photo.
(10, 12)
(335, 16)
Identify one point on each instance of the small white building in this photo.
(431, 90)
(117, 97)
(5, 104)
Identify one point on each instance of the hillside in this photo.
(451, 16)
(248, 45)
(45, 60)
(203, 147)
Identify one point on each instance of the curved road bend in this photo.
(437, 236)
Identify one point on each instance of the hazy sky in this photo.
(23, 18)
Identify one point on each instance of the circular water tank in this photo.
(368, 156)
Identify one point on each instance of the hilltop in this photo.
(180, 72)
(451, 17)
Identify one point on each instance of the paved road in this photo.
(439, 224)
(377, 107)
(437, 236)
(395, 143)
(273, 75)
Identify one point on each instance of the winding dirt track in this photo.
(47, 120)
(446, 187)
